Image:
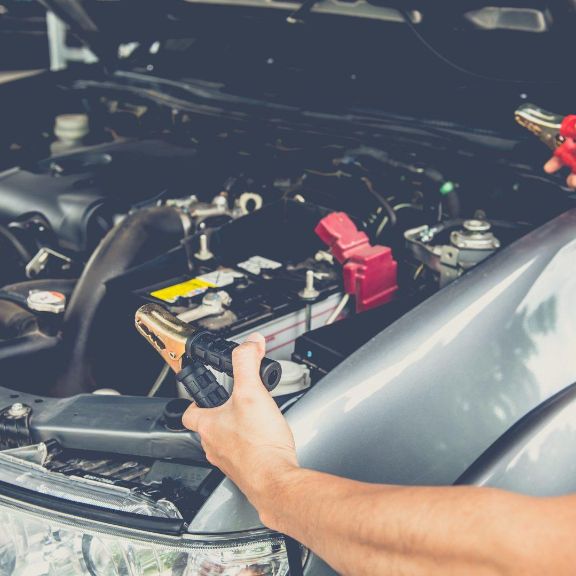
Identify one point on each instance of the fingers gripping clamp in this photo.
(202, 348)
(217, 353)
(189, 351)
(202, 385)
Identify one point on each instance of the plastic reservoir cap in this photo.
(295, 378)
(46, 301)
(71, 127)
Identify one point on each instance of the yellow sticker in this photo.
(185, 289)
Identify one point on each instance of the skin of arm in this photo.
(360, 528)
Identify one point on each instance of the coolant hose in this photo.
(15, 321)
(89, 327)
(20, 249)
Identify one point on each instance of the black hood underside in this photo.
(510, 38)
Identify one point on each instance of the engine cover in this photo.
(79, 194)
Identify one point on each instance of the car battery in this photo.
(258, 294)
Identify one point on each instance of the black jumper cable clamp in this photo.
(190, 351)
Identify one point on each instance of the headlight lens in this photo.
(35, 477)
(35, 541)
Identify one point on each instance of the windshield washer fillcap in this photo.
(46, 301)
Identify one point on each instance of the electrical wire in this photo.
(338, 310)
(381, 199)
(307, 5)
(381, 226)
(449, 62)
(159, 381)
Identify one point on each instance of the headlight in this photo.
(40, 541)
(36, 544)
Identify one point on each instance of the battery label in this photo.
(186, 289)
(221, 277)
(256, 264)
(216, 279)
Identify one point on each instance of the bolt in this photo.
(211, 298)
(221, 202)
(476, 226)
(218, 299)
(225, 298)
(18, 410)
(308, 323)
(204, 251)
(309, 280)
(323, 256)
(309, 292)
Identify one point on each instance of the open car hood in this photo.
(106, 24)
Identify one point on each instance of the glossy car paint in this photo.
(529, 456)
(425, 398)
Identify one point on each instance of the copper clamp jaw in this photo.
(543, 124)
(166, 333)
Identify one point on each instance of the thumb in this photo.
(191, 417)
(246, 360)
(258, 339)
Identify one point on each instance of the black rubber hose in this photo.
(453, 204)
(15, 321)
(22, 251)
(19, 291)
(89, 327)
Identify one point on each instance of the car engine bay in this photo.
(319, 235)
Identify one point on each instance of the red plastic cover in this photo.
(370, 272)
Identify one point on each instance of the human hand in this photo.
(555, 164)
(247, 437)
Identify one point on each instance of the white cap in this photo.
(295, 378)
(46, 301)
(71, 127)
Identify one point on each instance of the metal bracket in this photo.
(60, 53)
(40, 260)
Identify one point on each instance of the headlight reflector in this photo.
(39, 537)
(36, 543)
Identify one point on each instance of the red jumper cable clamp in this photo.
(566, 151)
(554, 130)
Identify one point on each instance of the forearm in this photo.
(361, 528)
(371, 529)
